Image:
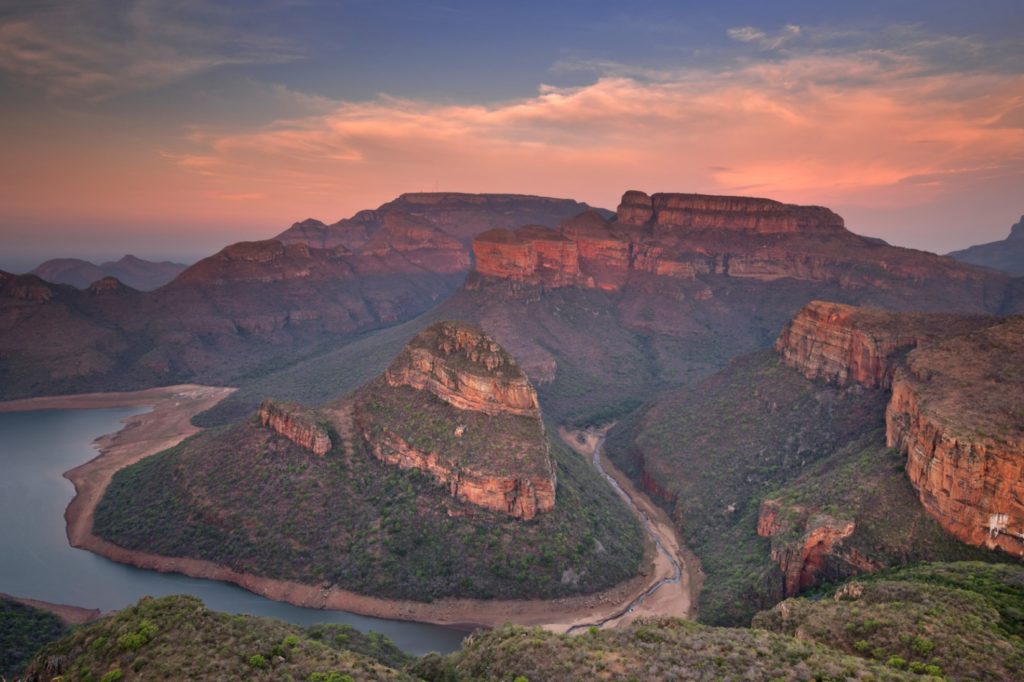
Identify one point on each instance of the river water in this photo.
(37, 562)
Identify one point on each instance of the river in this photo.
(37, 562)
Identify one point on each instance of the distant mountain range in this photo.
(1006, 255)
(138, 273)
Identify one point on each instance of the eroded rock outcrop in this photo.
(455, 405)
(846, 344)
(804, 541)
(467, 369)
(297, 424)
(957, 411)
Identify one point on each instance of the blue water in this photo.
(37, 562)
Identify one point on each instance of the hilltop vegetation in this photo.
(249, 499)
(23, 629)
(960, 620)
(177, 638)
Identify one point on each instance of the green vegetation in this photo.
(649, 650)
(961, 620)
(759, 430)
(177, 638)
(249, 499)
(488, 444)
(23, 629)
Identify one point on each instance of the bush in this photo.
(257, 661)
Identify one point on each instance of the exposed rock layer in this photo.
(297, 425)
(477, 427)
(467, 369)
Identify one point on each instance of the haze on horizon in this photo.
(171, 128)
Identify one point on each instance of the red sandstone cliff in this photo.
(956, 411)
(455, 405)
(688, 236)
(846, 344)
(297, 425)
(803, 542)
(467, 369)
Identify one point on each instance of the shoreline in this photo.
(70, 615)
(168, 423)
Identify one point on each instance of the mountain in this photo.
(786, 469)
(137, 273)
(459, 215)
(602, 312)
(1006, 255)
(250, 308)
(430, 481)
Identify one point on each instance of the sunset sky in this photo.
(169, 129)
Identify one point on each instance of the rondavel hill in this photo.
(437, 479)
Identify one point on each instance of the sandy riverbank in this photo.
(72, 615)
(169, 423)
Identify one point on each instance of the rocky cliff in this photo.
(805, 541)
(456, 406)
(465, 368)
(846, 344)
(693, 236)
(297, 424)
(957, 412)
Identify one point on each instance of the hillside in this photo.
(137, 273)
(412, 498)
(779, 482)
(177, 638)
(962, 619)
(23, 630)
(1006, 255)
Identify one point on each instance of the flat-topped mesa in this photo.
(297, 424)
(956, 412)
(710, 212)
(845, 344)
(466, 368)
(455, 405)
(532, 252)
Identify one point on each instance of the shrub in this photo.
(257, 661)
(112, 676)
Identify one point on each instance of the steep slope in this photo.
(136, 272)
(780, 480)
(1006, 255)
(178, 638)
(23, 630)
(435, 478)
(961, 620)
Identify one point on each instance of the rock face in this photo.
(465, 368)
(845, 344)
(956, 411)
(455, 405)
(690, 236)
(1006, 255)
(297, 424)
(803, 542)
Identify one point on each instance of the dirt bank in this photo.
(72, 615)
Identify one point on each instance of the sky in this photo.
(170, 128)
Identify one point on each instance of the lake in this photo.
(37, 562)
